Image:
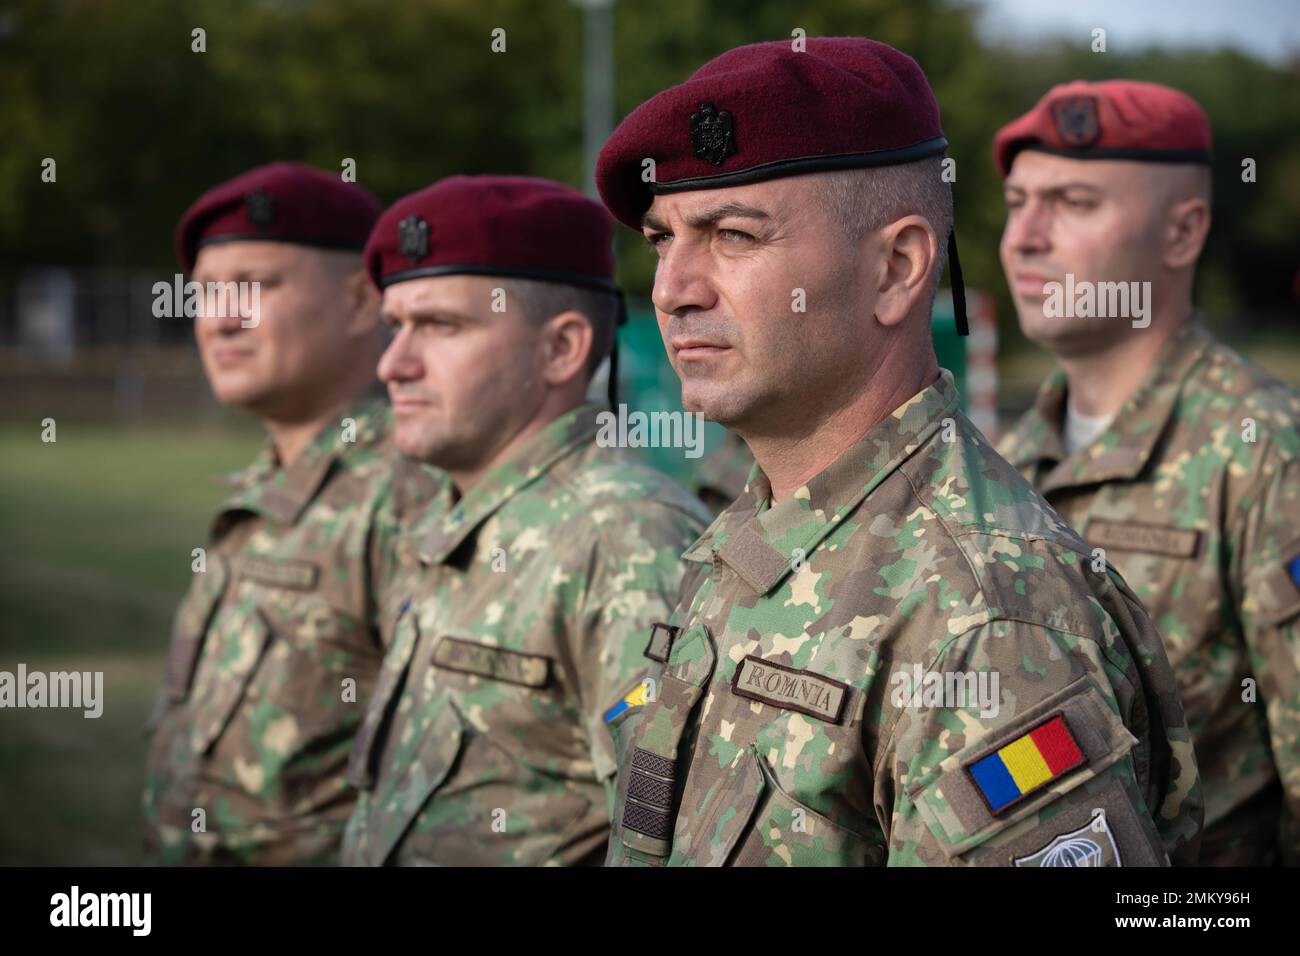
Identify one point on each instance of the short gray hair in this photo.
(860, 200)
(541, 300)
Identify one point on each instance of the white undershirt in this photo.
(1082, 430)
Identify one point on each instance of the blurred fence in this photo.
(85, 343)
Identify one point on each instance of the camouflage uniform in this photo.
(485, 742)
(253, 724)
(779, 736)
(1203, 525)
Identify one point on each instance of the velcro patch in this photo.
(1092, 844)
(497, 663)
(280, 572)
(648, 809)
(785, 687)
(1145, 538)
(1026, 764)
(1293, 569)
(661, 641)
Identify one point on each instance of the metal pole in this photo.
(597, 83)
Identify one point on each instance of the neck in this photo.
(1099, 383)
(789, 461)
(466, 478)
(290, 439)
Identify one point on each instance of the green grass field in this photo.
(95, 537)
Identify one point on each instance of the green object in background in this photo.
(647, 383)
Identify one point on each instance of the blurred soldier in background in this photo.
(1166, 450)
(279, 639)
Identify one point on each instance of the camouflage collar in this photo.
(1123, 450)
(558, 439)
(281, 494)
(762, 544)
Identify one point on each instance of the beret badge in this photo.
(413, 238)
(260, 206)
(1076, 120)
(713, 134)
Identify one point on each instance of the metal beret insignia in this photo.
(413, 238)
(713, 134)
(1076, 120)
(260, 207)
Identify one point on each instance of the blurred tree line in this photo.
(140, 124)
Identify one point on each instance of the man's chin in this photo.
(240, 393)
(416, 444)
(1068, 338)
(716, 404)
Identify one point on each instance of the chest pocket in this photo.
(513, 700)
(439, 744)
(191, 624)
(424, 765)
(750, 820)
(235, 645)
(406, 634)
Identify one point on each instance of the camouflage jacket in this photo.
(820, 702)
(1193, 493)
(486, 742)
(274, 651)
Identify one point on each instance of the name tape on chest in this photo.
(791, 689)
(497, 663)
(280, 572)
(1148, 539)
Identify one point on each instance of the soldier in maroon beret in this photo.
(487, 740)
(1175, 457)
(279, 637)
(819, 699)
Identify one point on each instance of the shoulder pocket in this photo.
(1015, 770)
(1276, 590)
(236, 648)
(191, 624)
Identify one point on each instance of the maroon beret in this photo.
(513, 226)
(281, 202)
(1114, 119)
(764, 111)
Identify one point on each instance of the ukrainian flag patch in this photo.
(1026, 764)
(633, 698)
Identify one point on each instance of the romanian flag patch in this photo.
(633, 698)
(1026, 764)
